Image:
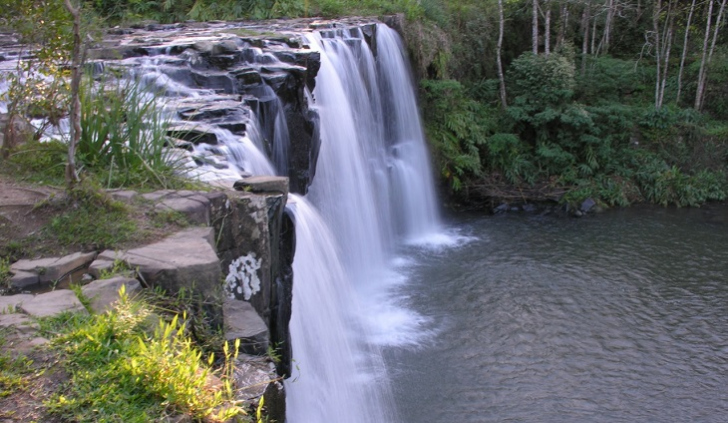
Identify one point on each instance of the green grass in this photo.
(92, 220)
(12, 370)
(4, 272)
(36, 162)
(124, 367)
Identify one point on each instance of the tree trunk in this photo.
(718, 23)
(547, 29)
(534, 27)
(594, 35)
(563, 23)
(501, 77)
(658, 57)
(608, 22)
(703, 59)
(585, 41)
(684, 52)
(667, 43)
(75, 118)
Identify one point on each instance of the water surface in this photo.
(621, 317)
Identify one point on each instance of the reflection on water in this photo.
(622, 317)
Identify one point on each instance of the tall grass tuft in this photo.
(123, 135)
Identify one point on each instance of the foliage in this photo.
(125, 368)
(457, 127)
(38, 88)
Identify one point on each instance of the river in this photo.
(619, 317)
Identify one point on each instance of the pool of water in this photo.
(619, 317)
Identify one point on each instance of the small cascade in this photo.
(273, 126)
(373, 189)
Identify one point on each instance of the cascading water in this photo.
(372, 188)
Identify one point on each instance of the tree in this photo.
(501, 78)
(76, 63)
(534, 27)
(704, 64)
(684, 51)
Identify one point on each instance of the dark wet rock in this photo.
(246, 76)
(219, 81)
(501, 208)
(193, 132)
(588, 205)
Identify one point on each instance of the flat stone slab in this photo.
(22, 280)
(53, 303)
(125, 196)
(10, 303)
(53, 268)
(243, 322)
(194, 205)
(186, 259)
(104, 293)
(21, 322)
(263, 184)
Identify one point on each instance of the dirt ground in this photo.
(19, 214)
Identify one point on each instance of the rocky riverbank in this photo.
(227, 258)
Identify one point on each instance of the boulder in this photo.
(53, 303)
(125, 196)
(104, 293)
(243, 322)
(587, 205)
(185, 260)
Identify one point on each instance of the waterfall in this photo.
(338, 377)
(373, 189)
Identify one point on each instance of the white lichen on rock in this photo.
(243, 277)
